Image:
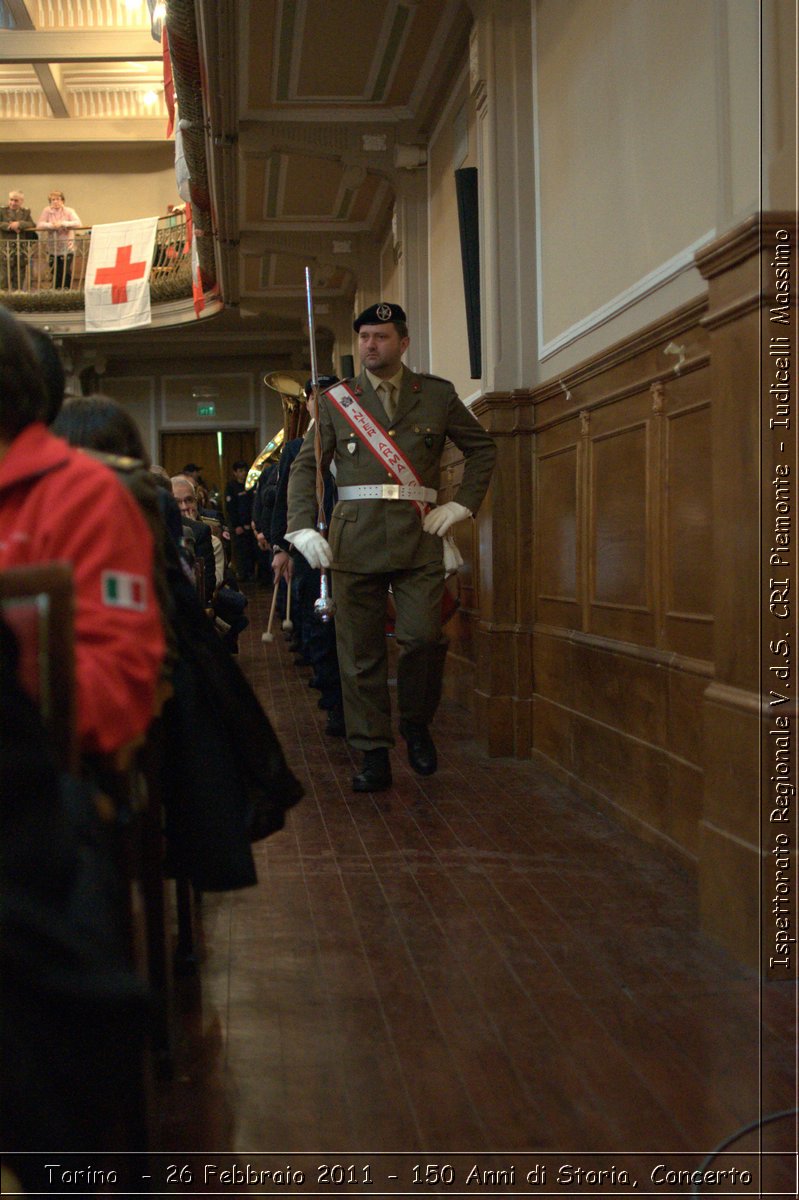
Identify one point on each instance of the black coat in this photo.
(280, 513)
(72, 1013)
(238, 504)
(264, 500)
(226, 782)
(204, 549)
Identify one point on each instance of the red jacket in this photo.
(59, 504)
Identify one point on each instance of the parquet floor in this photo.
(472, 969)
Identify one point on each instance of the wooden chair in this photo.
(37, 602)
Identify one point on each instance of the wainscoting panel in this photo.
(687, 535)
(622, 650)
(558, 536)
(620, 588)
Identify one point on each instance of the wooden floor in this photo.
(475, 969)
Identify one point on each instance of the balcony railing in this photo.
(41, 272)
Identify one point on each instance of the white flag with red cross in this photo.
(118, 274)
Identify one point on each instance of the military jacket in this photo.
(375, 536)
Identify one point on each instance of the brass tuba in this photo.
(295, 420)
(292, 396)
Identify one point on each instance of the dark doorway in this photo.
(214, 451)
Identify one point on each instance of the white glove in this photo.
(439, 520)
(312, 546)
(452, 556)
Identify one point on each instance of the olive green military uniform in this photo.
(377, 543)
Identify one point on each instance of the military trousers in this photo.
(361, 605)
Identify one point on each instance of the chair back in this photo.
(37, 603)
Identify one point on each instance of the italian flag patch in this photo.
(121, 590)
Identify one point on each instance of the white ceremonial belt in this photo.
(388, 491)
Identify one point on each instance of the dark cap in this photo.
(191, 467)
(382, 313)
(240, 465)
(325, 381)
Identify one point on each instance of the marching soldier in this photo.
(385, 432)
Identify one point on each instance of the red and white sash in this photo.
(375, 437)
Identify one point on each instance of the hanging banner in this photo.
(117, 291)
(196, 277)
(169, 83)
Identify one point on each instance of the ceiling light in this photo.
(149, 99)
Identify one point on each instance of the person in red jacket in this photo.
(60, 504)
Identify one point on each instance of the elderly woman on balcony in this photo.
(60, 221)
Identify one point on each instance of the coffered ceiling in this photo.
(79, 70)
(313, 110)
(327, 105)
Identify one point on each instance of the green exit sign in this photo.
(206, 410)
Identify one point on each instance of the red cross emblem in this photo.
(121, 274)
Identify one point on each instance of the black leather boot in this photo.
(421, 748)
(375, 774)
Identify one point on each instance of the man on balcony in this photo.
(15, 226)
(60, 222)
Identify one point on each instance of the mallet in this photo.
(268, 636)
(288, 624)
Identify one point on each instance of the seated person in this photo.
(101, 425)
(73, 1015)
(59, 504)
(185, 493)
(226, 601)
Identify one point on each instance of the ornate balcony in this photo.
(39, 273)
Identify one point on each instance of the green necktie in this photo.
(388, 399)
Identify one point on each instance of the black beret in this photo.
(325, 381)
(379, 314)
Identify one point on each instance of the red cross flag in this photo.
(118, 275)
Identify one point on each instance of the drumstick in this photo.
(268, 636)
(288, 624)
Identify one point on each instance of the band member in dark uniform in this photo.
(238, 509)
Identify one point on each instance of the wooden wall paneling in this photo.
(459, 677)
(687, 525)
(504, 532)
(623, 478)
(736, 830)
(557, 532)
(616, 708)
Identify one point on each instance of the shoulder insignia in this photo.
(120, 589)
(438, 378)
